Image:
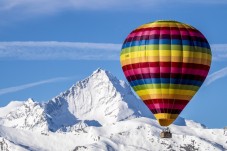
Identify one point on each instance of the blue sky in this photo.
(48, 45)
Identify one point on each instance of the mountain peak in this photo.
(99, 70)
(30, 101)
(98, 76)
(101, 97)
(103, 73)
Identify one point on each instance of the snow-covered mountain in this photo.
(98, 113)
(101, 99)
(98, 100)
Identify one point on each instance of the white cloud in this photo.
(216, 75)
(17, 10)
(59, 5)
(29, 85)
(219, 52)
(48, 6)
(59, 51)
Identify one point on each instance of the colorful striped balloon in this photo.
(166, 62)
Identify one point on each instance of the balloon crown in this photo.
(173, 21)
(167, 21)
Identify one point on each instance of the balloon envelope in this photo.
(165, 62)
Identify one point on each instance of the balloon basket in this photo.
(166, 133)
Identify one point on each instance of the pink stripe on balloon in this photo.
(151, 70)
(165, 106)
(160, 32)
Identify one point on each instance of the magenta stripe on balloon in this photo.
(160, 70)
(166, 105)
(173, 32)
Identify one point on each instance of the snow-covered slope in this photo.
(98, 113)
(140, 134)
(100, 98)
(10, 107)
(29, 115)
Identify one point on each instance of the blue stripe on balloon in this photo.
(166, 41)
(165, 81)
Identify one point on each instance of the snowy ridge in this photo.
(98, 113)
(9, 108)
(140, 134)
(29, 115)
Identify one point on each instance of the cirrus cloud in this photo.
(219, 52)
(52, 50)
(47, 6)
(17, 10)
(216, 76)
(30, 85)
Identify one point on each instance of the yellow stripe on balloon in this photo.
(158, 86)
(166, 96)
(165, 53)
(165, 91)
(165, 119)
(129, 61)
(164, 24)
(165, 116)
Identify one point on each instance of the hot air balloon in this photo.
(165, 62)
